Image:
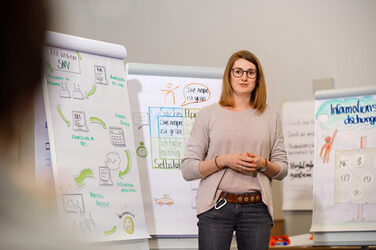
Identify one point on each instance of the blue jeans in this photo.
(251, 223)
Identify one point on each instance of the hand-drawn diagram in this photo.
(195, 93)
(124, 172)
(77, 94)
(327, 147)
(355, 177)
(111, 231)
(165, 200)
(100, 75)
(170, 90)
(128, 225)
(83, 175)
(98, 121)
(91, 92)
(169, 127)
(141, 151)
(117, 136)
(113, 160)
(63, 60)
(62, 116)
(79, 121)
(64, 91)
(73, 203)
(349, 180)
(93, 167)
(105, 176)
(85, 224)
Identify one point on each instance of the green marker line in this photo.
(62, 116)
(49, 67)
(121, 173)
(79, 56)
(97, 120)
(92, 91)
(85, 173)
(109, 232)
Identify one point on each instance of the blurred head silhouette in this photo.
(23, 25)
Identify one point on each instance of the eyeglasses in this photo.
(238, 72)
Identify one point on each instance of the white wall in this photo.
(296, 41)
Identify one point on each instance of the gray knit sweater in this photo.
(218, 131)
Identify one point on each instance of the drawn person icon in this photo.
(169, 90)
(79, 208)
(77, 94)
(91, 221)
(64, 91)
(327, 147)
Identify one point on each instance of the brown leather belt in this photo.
(254, 197)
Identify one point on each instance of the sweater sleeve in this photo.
(278, 152)
(196, 149)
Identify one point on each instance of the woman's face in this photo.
(243, 85)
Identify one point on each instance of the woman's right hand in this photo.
(238, 162)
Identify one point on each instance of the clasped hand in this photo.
(243, 163)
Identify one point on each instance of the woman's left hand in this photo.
(257, 161)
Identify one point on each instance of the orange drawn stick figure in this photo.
(327, 147)
(169, 90)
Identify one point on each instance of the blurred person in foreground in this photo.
(27, 220)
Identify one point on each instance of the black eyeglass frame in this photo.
(242, 70)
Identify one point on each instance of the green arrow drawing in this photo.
(97, 120)
(49, 67)
(62, 116)
(79, 56)
(92, 91)
(121, 173)
(109, 232)
(85, 173)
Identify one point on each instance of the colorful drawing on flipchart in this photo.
(195, 93)
(164, 200)
(347, 113)
(325, 149)
(169, 91)
(355, 168)
(62, 60)
(86, 173)
(169, 128)
(128, 225)
(355, 177)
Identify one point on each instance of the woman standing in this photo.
(236, 148)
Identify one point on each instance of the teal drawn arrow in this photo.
(121, 173)
(97, 120)
(62, 116)
(92, 91)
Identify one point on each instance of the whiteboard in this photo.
(91, 139)
(345, 165)
(165, 100)
(298, 130)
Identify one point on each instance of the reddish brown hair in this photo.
(258, 96)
